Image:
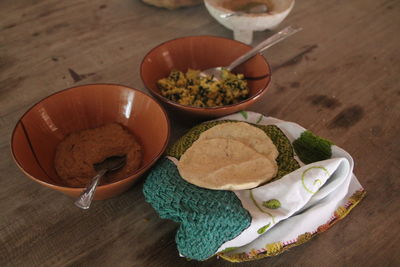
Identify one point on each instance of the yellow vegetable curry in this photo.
(191, 90)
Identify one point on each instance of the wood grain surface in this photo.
(339, 78)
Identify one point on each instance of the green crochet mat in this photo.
(208, 218)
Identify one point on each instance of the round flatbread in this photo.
(246, 134)
(225, 164)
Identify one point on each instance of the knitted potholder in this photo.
(207, 218)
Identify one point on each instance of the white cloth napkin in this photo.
(308, 196)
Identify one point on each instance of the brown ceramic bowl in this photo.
(202, 52)
(44, 125)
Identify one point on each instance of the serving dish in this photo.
(39, 131)
(203, 52)
(314, 189)
(244, 25)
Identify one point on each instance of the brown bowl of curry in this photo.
(169, 72)
(56, 142)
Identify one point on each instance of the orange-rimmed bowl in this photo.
(43, 126)
(202, 52)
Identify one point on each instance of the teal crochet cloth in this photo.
(208, 217)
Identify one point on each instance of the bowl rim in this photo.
(138, 172)
(250, 15)
(260, 92)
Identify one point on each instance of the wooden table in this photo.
(339, 78)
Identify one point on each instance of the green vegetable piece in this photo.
(263, 229)
(272, 204)
(311, 148)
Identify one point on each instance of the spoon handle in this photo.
(276, 38)
(85, 199)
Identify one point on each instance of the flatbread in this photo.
(246, 134)
(225, 164)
